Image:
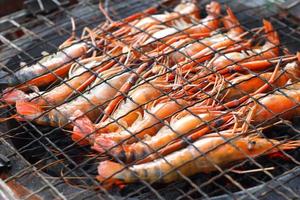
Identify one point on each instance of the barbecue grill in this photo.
(38, 162)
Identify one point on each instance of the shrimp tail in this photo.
(272, 35)
(214, 8)
(103, 144)
(272, 44)
(10, 96)
(31, 111)
(83, 129)
(107, 170)
(231, 22)
(28, 108)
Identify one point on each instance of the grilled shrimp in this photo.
(283, 103)
(201, 157)
(188, 11)
(179, 126)
(249, 83)
(202, 50)
(269, 50)
(141, 30)
(78, 80)
(125, 114)
(203, 28)
(147, 126)
(120, 28)
(87, 103)
(57, 62)
(236, 86)
(129, 109)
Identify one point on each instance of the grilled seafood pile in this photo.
(163, 95)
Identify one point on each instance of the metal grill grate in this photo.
(52, 166)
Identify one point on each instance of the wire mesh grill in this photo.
(65, 169)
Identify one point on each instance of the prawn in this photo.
(202, 29)
(122, 26)
(138, 31)
(254, 59)
(87, 103)
(247, 84)
(179, 126)
(269, 50)
(126, 113)
(188, 11)
(203, 156)
(147, 126)
(201, 48)
(77, 81)
(283, 103)
(241, 86)
(38, 74)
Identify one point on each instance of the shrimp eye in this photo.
(251, 144)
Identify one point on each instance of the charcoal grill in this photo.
(44, 163)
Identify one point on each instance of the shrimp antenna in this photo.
(4, 119)
(4, 106)
(104, 12)
(73, 27)
(69, 41)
